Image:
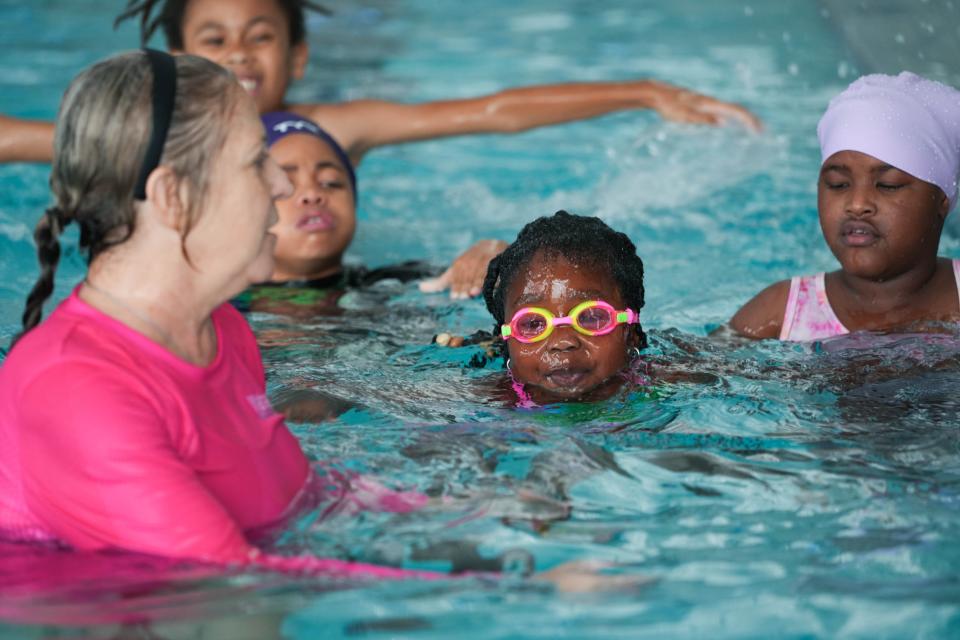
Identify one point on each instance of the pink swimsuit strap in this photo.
(808, 314)
(524, 401)
(956, 277)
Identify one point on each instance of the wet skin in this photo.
(251, 38)
(567, 365)
(318, 222)
(884, 227)
(233, 233)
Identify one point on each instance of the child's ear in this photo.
(299, 55)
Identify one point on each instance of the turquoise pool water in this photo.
(789, 491)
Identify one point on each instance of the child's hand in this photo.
(465, 276)
(584, 576)
(683, 105)
(448, 340)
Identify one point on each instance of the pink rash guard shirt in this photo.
(108, 440)
(809, 315)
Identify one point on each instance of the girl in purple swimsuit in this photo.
(891, 156)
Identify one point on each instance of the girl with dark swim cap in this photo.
(315, 227)
(318, 221)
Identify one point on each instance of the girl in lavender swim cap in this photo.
(891, 156)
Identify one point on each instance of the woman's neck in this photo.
(167, 308)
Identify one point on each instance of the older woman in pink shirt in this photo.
(135, 416)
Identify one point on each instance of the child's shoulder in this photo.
(762, 317)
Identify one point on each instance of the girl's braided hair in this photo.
(169, 18)
(581, 239)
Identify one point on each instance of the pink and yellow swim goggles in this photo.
(591, 318)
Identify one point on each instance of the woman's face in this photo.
(230, 240)
(567, 364)
(318, 221)
(251, 38)
(879, 221)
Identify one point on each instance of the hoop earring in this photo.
(509, 368)
(633, 353)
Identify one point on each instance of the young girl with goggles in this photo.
(572, 289)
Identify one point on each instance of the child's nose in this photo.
(237, 54)
(312, 194)
(564, 338)
(861, 201)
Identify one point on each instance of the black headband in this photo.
(164, 92)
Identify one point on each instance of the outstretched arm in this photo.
(365, 124)
(25, 140)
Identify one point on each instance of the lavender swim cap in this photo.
(907, 121)
(280, 124)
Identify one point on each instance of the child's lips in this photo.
(318, 220)
(856, 233)
(566, 377)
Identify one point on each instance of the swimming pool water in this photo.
(779, 490)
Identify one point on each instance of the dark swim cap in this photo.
(280, 124)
